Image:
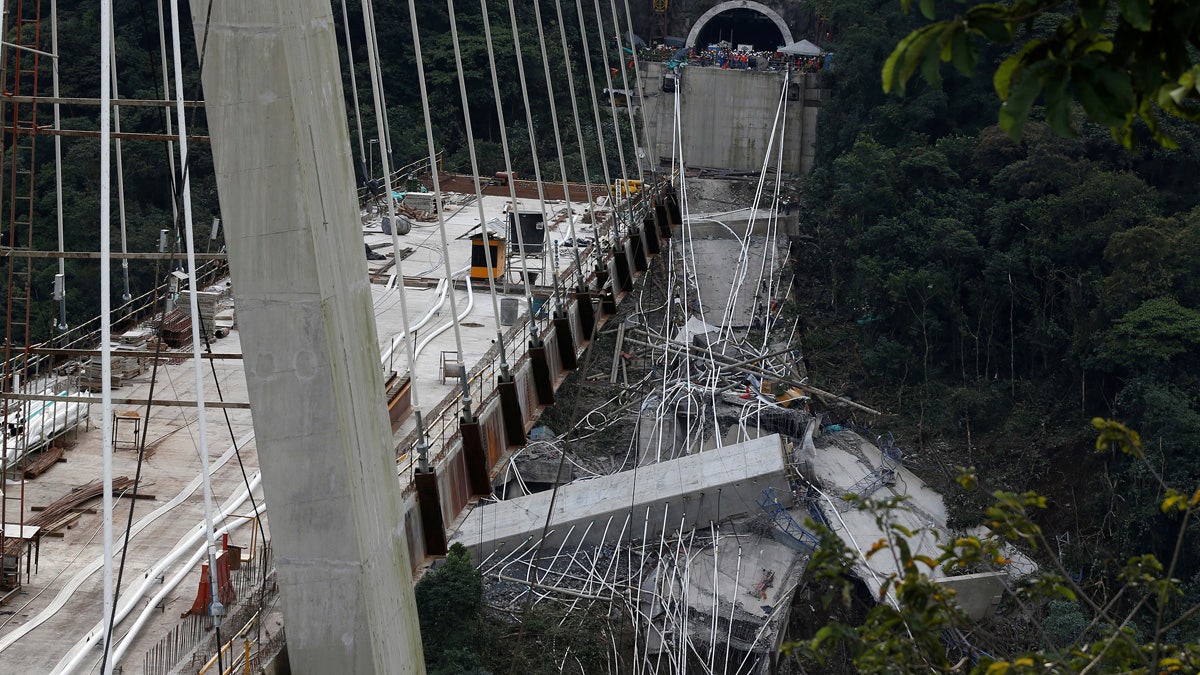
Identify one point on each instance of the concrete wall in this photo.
(727, 118)
(977, 594)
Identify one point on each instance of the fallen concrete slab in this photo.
(697, 489)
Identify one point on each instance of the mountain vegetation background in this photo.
(995, 295)
(992, 295)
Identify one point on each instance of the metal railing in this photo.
(411, 169)
(87, 334)
(442, 421)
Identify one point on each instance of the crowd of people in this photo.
(726, 57)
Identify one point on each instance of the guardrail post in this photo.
(429, 506)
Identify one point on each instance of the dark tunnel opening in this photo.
(739, 27)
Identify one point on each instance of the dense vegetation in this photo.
(996, 295)
(462, 634)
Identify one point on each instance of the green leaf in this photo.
(1095, 105)
(890, 75)
(1014, 112)
(1116, 88)
(1136, 13)
(1002, 80)
(1092, 13)
(927, 8)
(990, 21)
(965, 54)
(931, 69)
(1058, 101)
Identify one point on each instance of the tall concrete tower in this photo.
(280, 145)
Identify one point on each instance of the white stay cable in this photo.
(437, 194)
(116, 120)
(197, 363)
(362, 152)
(774, 220)
(60, 289)
(385, 159)
(512, 183)
(483, 226)
(162, 53)
(612, 107)
(595, 105)
(106, 416)
(689, 250)
(612, 102)
(625, 82)
(558, 143)
(537, 165)
(587, 178)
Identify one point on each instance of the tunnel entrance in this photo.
(741, 26)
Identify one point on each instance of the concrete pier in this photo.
(282, 154)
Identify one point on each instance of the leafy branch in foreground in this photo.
(1122, 60)
(916, 621)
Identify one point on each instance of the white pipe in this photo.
(106, 313)
(68, 589)
(60, 417)
(81, 650)
(197, 363)
(186, 570)
(454, 320)
(442, 287)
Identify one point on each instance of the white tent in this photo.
(801, 48)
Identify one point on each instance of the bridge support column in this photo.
(475, 457)
(308, 334)
(429, 504)
(539, 368)
(566, 342)
(510, 411)
(587, 312)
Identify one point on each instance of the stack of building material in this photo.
(206, 303)
(136, 338)
(420, 203)
(42, 461)
(177, 328)
(124, 368)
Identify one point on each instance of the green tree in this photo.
(917, 627)
(1123, 60)
(450, 608)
